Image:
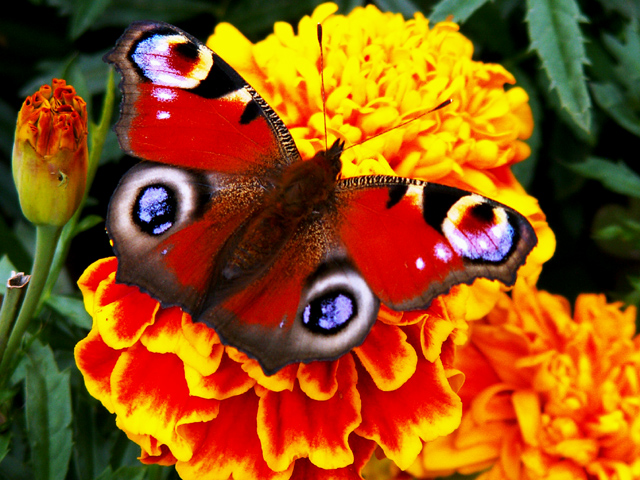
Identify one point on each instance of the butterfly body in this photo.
(287, 261)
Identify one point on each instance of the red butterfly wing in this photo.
(311, 304)
(168, 225)
(185, 106)
(414, 240)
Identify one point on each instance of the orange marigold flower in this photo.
(190, 401)
(548, 394)
(50, 154)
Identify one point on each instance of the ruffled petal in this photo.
(388, 358)
(362, 449)
(229, 446)
(150, 396)
(291, 425)
(96, 360)
(425, 407)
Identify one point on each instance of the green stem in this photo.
(46, 241)
(9, 309)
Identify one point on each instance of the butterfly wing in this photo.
(217, 148)
(312, 303)
(413, 240)
(185, 106)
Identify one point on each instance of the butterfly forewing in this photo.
(185, 106)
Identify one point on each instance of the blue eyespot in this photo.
(155, 209)
(329, 313)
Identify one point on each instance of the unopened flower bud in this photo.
(50, 154)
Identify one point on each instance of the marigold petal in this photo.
(318, 379)
(90, 280)
(227, 381)
(96, 360)
(527, 407)
(122, 313)
(387, 356)
(166, 335)
(229, 446)
(291, 425)
(362, 449)
(150, 396)
(422, 409)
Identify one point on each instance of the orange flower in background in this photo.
(190, 401)
(547, 394)
(50, 154)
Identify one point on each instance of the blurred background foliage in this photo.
(578, 60)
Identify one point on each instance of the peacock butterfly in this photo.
(287, 261)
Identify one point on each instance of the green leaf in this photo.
(616, 230)
(406, 7)
(48, 413)
(5, 439)
(85, 14)
(460, 9)
(617, 177)
(71, 308)
(86, 223)
(613, 101)
(254, 18)
(124, 473)
(627, 56)
(555, 35)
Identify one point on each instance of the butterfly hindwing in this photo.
(168, 224)
(414, 240)
(185, 106)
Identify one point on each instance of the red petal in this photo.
(151, 397)
(291, 425)
(96, 360)
(166, 335)
(230, 446)
(318, 379)
(387, 356)
(122, 313)
(422, 409)
(227, 381)
(362, 449)
(91, 278)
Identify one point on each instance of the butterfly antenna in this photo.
(324, 103)
(442, 105)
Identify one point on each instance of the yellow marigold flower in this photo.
(548, 394)
(190, 401)
(50, 154)
(379, 72)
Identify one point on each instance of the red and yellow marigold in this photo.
(190, 401)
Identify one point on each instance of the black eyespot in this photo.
(330, 313)
(155, 209)
(483, 212)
